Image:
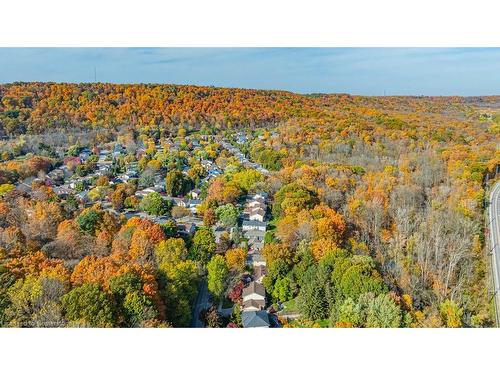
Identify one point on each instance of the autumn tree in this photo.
(236, 259)
(134, 307)
(217, 275)
(176, 183)
(451, 314)
(203, 246)
(88, 220)
(227, 215)
(180, 277)
(155, 204)
(88, 305)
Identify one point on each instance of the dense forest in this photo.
(377, 205)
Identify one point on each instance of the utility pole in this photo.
(493, 249)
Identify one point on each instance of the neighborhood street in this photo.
(200, 303)
(494, 223)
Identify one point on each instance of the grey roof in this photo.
(254, 287)
(254, 223)
(255, 234)
(256, 256)
(255, 319)
(257, 210)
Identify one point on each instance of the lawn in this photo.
(300, 323)
(289, 307)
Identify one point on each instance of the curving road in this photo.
(494, 227)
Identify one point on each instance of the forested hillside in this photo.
(377, 204)
(35, 107)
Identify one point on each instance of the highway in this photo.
(494, 224)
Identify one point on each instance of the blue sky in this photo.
(364, 71)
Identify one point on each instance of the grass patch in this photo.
(290, 307)
(300, 323)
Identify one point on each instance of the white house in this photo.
(254, 225)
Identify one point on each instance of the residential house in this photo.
(255, 258)
(257, 235)
(255, 239)
(254, 205)
(186, 228)
(85, 154)
(257, 214)
(56, 176)
(255, 244)
(257, 203)
(63, 190)
(254, 291)
(255, 319)
(191, 204)
(253, 305)
(26, 185)
(254, 225)
(219, 232)
(103, 157)
(142, 193)
(159, 187)
(259, 271)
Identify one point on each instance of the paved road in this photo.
(494, 223)
(200, 303)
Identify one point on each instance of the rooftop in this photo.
(255, 319)
(256, 288)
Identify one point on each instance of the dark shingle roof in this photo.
(258, 304)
